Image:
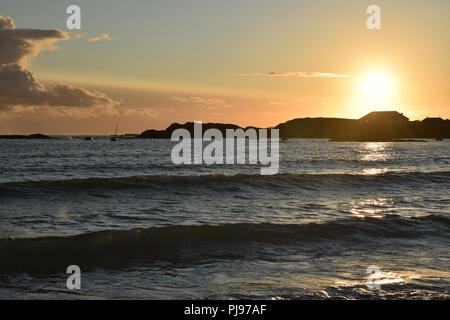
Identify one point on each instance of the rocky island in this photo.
(31, 136)
(375, 126)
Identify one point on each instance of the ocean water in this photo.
(140, 227)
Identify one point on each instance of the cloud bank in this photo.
(19, 87)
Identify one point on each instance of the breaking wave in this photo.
(196, 243)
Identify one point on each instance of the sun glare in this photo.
(377, 86)
(375, 92)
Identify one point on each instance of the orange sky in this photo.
(258, 63)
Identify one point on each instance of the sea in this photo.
(140, 227)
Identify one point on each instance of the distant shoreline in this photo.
(386, 126)
(383, 126)
(35, 136)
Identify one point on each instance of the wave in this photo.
(197, 243)
(164, 181)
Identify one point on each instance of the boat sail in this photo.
(115, 137)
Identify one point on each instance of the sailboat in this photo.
(115, 137)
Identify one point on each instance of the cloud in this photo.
(141, 112)
(296, 74)
(208, 103)
(72, 96)
(40, 112)
(19, 87)
(103, 36)
(79, 35)
(19, 45)
(99, 112)
(6, 23)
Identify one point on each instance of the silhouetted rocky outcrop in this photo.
(31, 136)
(375, 126)
(314, 127)
(167, 133)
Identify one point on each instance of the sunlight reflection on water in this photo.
(374, 171)
(375, 208)
(375, 151)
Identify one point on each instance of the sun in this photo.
(375, 91)
(377, 86)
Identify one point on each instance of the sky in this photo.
(146, 64)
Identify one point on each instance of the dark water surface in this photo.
(141, 227)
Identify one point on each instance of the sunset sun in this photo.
(377, 85)
(376, 91)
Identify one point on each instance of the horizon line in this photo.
(188, 121)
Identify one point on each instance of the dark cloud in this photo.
(17, 46)
(19, 87)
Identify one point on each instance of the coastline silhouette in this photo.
(377, 126)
